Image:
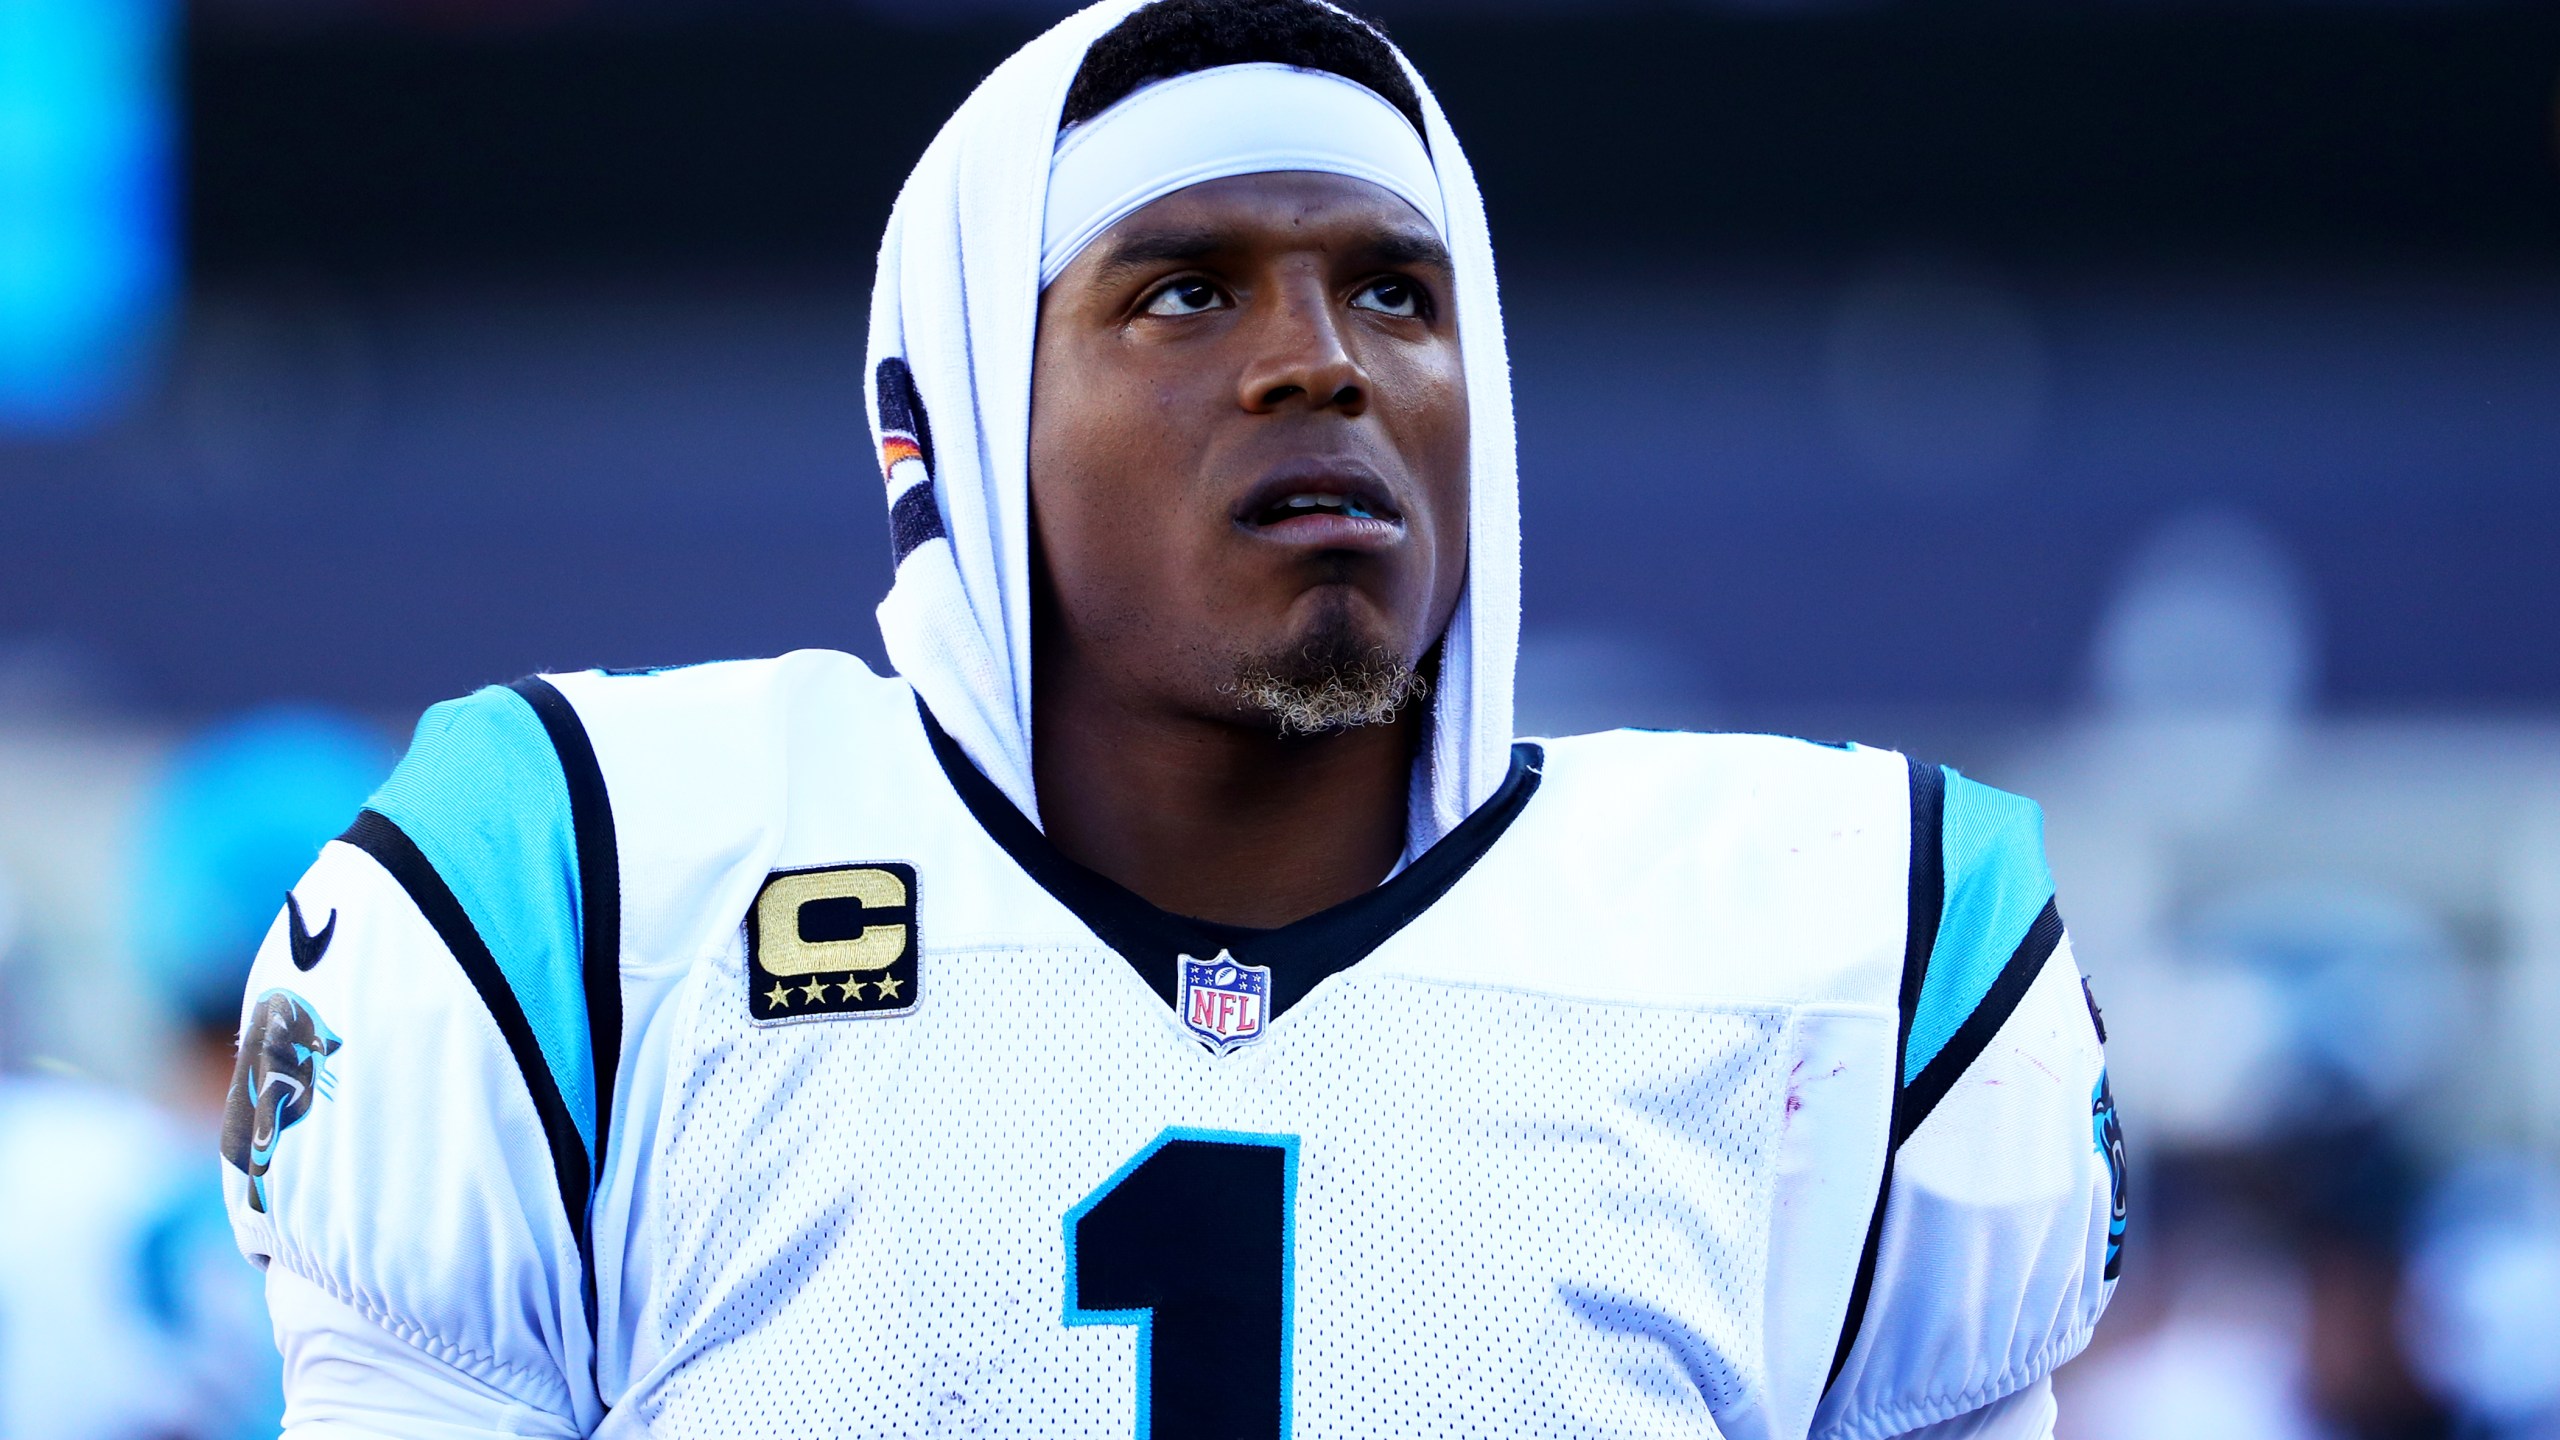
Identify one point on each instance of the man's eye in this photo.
(1185, 297)
(1390, 296)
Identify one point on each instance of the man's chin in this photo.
(1334, 679)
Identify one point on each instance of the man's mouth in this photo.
(1321, 509)
(1310, 502)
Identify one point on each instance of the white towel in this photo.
(952, 317)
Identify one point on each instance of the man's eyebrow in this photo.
(1148, 248)
(1407, 247)
(1159, 247)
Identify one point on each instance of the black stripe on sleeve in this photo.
(1974, 1036)
(391, 847)
(599, 888)
(914, 518)
(1926, 896)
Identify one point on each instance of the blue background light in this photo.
(87, 253)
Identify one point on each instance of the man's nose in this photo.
(1300, 356)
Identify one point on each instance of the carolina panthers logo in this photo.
(2110, 1138)
(283, 1069)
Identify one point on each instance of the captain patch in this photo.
(835, 940)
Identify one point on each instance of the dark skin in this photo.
(1248, 445)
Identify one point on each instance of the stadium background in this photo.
(2149, 405)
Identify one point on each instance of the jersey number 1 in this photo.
(1192, 1243)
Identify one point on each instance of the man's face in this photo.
(1249, 446)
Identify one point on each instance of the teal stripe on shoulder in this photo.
(1997, 882)
(482, 795)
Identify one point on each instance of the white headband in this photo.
(1233, 120)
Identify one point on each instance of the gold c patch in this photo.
(836, 940)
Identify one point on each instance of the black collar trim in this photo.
(1300, 955)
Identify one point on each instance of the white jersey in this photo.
(715, 1052)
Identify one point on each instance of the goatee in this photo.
(1333, 682)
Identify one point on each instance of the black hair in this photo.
(1177, 37)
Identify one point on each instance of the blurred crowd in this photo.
(125, 1311)
(2330, 952)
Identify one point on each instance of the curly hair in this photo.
(1177, 37)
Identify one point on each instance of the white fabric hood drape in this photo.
(954, 308)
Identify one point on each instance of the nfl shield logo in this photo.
(1223, 1002)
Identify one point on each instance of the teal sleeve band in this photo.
(483, 796)
(1997, 883)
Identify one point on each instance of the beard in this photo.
(1335, 680)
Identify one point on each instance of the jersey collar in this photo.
(1300, 955)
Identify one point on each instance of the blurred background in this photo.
(2149, 405)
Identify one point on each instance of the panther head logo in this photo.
(283, 1069)
(2108, 1132)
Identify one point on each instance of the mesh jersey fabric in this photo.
(1589, 1146)
(1611, 1216)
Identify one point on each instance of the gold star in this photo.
(889, 986)
(851, 989)
(778, 997)
(814, 991)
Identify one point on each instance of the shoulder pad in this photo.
(498, 826)
(1995, 924)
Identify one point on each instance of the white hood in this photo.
(954, 307)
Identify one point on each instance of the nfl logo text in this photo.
(1223, 1002)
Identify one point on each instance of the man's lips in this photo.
(1324, 507)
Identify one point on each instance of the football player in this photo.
(1172, 1004)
